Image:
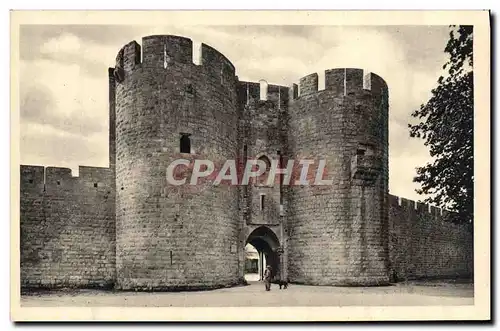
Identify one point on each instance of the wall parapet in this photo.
(344, 82)
(414, 208)
(251, 91)
(161, 51)
(30, 174)
(38, 177)
(422, 244)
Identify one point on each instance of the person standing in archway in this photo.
(267, 278)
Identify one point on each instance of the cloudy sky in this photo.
(64, 91)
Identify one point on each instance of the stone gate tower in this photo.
(338, 234)
(169, 108)
(163, 107)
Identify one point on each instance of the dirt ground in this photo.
(254, 295)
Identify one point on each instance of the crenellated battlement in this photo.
(32, 175)
(93, 173)
(343, 81)
(423, 244)
(38, 177)
(131, 54)
(278, 93)
(55, 175)
(293, 91)
(216, 62)
(261, 91)
(415, 209)
(162, 51)
(308, 84)
(67, 227)
(248, 91)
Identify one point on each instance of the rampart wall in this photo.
(422, 245)
(67, 227)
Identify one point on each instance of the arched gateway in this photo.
(267, 245)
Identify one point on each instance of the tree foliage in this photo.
(446, 125)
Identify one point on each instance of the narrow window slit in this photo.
(165, 64)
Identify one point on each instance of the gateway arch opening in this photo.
(262, 249)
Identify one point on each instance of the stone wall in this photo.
(422, 245)
(67, 227)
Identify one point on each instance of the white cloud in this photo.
(65, 43)
(402, 170)
(74, 90)
(69, 45)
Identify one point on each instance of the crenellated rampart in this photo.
(342, 82)
(67, 227)
(423, 245)
(162, 51)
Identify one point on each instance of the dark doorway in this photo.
(262, 249)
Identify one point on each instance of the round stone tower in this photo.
(168, 108)
(338, 233)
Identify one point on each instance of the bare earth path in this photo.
(253, 295)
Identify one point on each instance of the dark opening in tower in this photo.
(261, 250)
(263, 179)
(185, 143)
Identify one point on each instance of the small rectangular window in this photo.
(185, 143)
(165, 57)
(262, 200)
(95, 184)
(365, 149)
